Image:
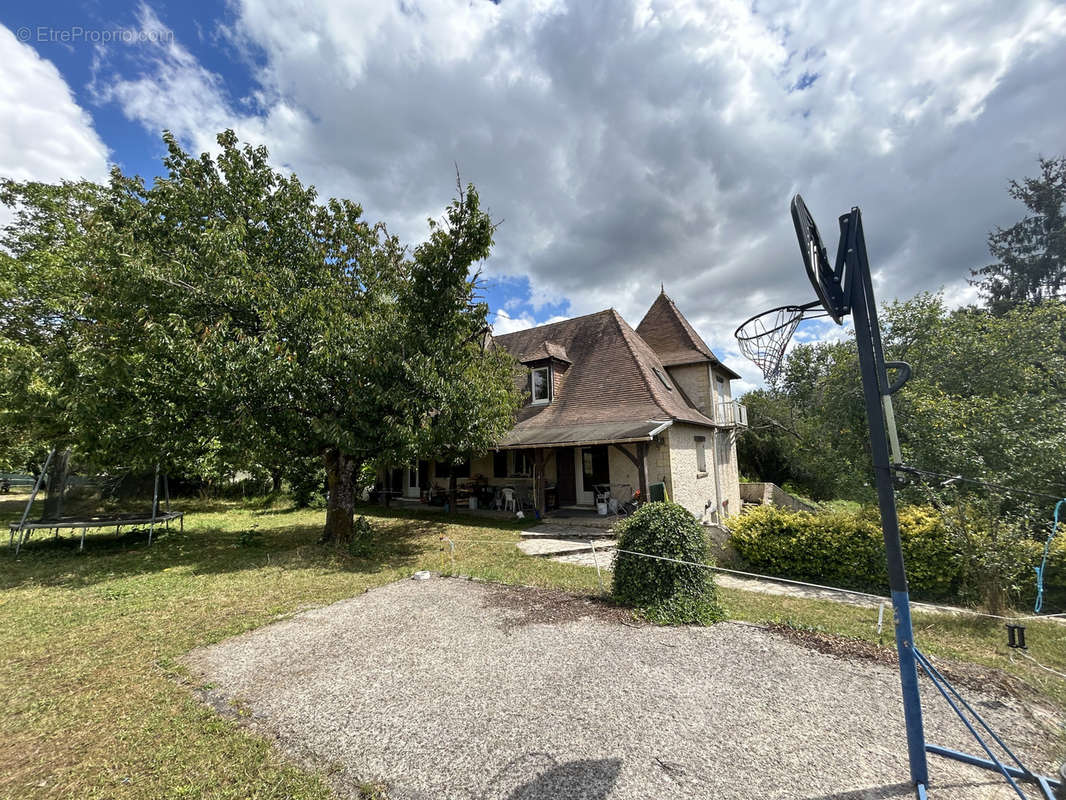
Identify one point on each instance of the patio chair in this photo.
(509, 502)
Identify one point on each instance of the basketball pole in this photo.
(875, 386)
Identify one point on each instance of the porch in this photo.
(564, 481)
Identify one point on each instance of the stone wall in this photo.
(688, 486)
(694, 380)
(693, 489)
(771, 494)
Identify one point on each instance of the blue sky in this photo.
(74, 37)
(621, 144)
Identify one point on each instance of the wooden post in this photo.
(538, 480)
(642, 470)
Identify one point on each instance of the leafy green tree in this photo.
(44, 251)
(470, 398)
(224, 311)
(1031, 254)
(985, 401)
(808, 430)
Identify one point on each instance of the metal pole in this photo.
(596, 561)
(33, 496)
(875, 386)
(155, 503)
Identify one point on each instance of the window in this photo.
(662, 378)
(499, 464)
(540, 383)
(521, 463)
(701, 454)
(462, 469)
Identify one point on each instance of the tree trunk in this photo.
(275, 480)
(57, 485)
(341, 470)
(453, 491)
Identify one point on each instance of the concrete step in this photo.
(556, 530)
(555, 547)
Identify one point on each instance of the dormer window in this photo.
(541, 385)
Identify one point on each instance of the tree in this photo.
(223, 312)
(43, 255)
(470, 397)
(1030, 255)
(985, 401)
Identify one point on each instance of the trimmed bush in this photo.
(667, 593)
(844, 549)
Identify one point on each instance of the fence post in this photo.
(596, 561)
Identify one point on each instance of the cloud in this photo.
(626, 144)
(503, 322)
(46, 136)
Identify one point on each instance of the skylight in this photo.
(661, 377)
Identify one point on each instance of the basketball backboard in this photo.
(826, 281)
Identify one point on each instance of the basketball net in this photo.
(764, 338)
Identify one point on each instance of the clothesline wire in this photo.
(775, 579)
(975, 481)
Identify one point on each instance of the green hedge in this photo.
(847, 550)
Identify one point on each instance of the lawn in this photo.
(96, 704)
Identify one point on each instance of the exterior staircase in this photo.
(558, 538)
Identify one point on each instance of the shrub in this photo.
(666, 592)
(834, 547)
(994, 553)
(362, 533)
(307, 478)
(955, 555)
(250, 538)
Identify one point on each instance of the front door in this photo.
(591, 468)
(410, 488)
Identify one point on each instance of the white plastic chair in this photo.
(509, 503)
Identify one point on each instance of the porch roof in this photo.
(585, 434)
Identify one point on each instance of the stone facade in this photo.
(702, 492)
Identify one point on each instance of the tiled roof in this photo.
(673, 339)
(610, 378)
(589, 433)
(545, 351)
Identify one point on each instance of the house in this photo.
(611, 409)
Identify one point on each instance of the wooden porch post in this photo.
(642, 469)
(538, 480)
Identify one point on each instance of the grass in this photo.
(96, 700)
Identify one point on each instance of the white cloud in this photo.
(624, 146)
(503, 322)
(45, 135)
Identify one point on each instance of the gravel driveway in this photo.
(454, 689)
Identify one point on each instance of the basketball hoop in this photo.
(847, 290)
(764, 337)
